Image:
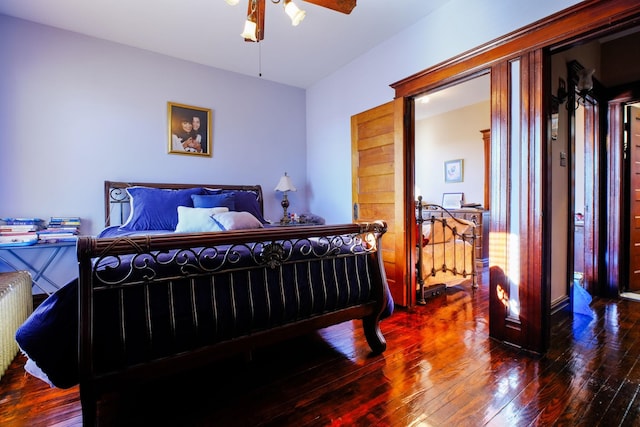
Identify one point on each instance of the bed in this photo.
(150, 300)
(446, 251)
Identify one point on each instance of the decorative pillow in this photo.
(243, 200)
(156, 208)
(236, 221)
(194, 220)
(214, 201)
(442, 229)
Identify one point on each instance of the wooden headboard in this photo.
(116, 199)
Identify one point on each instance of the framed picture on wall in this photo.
(189, 130)
(453, 171)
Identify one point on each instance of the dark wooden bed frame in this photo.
(95, 384)
(116, 198)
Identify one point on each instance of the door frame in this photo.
(594, 180)
(616, 256)
(569, 27)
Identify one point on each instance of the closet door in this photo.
(378, 158)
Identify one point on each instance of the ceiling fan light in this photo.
(585, 80)
(294, 12)
(232, 2)
(250, 30)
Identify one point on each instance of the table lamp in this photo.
(285, 185)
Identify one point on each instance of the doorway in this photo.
(633, 195)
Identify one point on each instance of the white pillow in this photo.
(193, 220)
(233, 220)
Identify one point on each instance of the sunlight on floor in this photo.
(630, 295)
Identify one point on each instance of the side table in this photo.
(16, 258)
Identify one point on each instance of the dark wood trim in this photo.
(411, 241)
(616, 255)
(532, 44)
(486, 144)
(534, 292)
(616, 186)
(498, 224)
(578, 23)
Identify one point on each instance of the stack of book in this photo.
(20, 231)
(60, 229)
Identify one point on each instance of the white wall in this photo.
(364, 84)
(449, 136)
(589, 56)
(75, 111)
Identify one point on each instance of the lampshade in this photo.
(285, 184)
(250, 30)
(585, 80)
(232, 2)
(294, 12)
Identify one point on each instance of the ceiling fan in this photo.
(254, 25)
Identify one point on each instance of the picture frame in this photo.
(453, 171)
(189, 130)
(452, 200)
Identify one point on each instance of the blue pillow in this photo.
(245, 201)
(224, 200)
(156, 208)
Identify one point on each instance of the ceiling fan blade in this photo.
(344, 6)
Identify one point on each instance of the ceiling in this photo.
(440, 101)
(208, 31)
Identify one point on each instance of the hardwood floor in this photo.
(440, 368)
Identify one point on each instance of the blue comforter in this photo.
(184, 313)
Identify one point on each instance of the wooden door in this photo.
(592, 177)
(378, 158)
(634, 198)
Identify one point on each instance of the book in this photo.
(19, 228)
(61, 229)
(54, 239)
(54, 233)
(65, 220)
(19, 240)
(22, 221)
(18, 233)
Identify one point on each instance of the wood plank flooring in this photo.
(440, 369)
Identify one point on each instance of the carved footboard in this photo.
(161, 304)
(445, 248)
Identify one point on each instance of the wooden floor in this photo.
(440, 369)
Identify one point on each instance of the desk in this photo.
(15, 257)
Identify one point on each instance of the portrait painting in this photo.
(189, 130)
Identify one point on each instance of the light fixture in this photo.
(585, 81)
(294, 12)
(583, 89)
(250, 32)
(285, 185)
(254, 25)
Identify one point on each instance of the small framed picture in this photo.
(453, 171)
(452, 200)
(189, 130)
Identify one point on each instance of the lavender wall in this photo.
(75, 111)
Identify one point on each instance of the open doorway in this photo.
(452, 130)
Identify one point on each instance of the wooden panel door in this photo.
(378, 186)
(634, 199)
